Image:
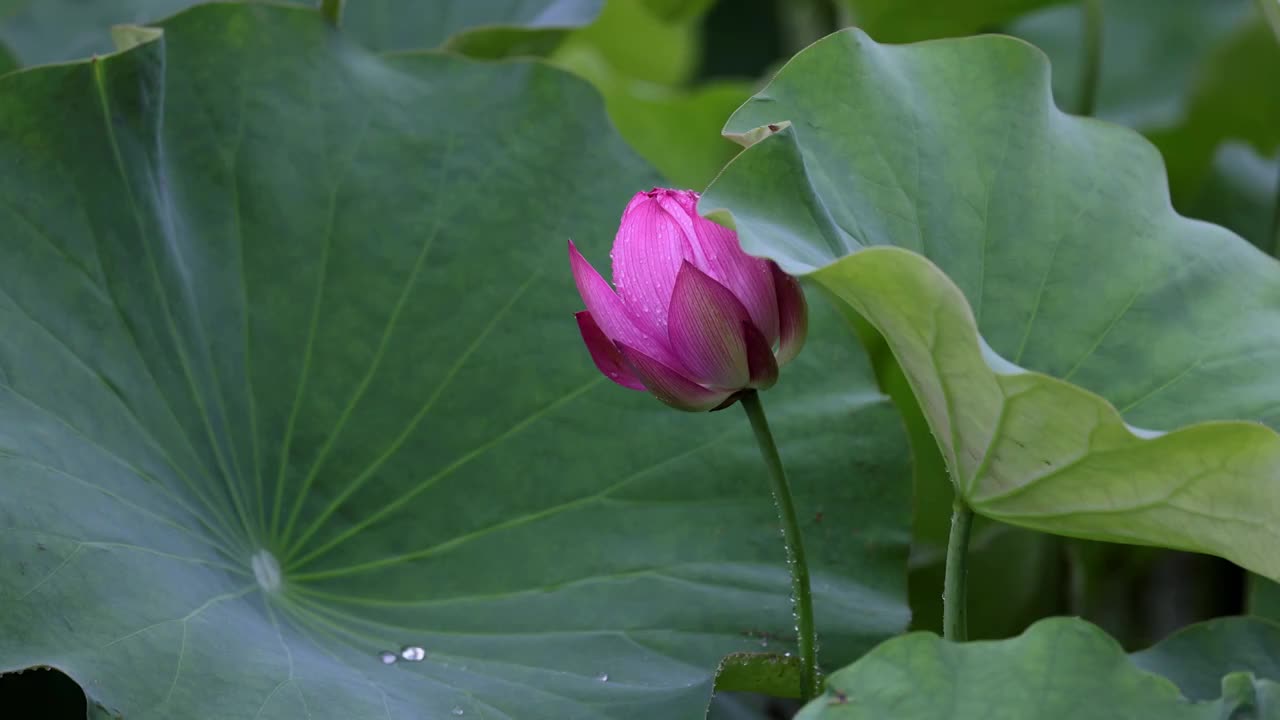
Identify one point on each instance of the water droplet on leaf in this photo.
(387, 658)
(458, 711)
(413, 653)
(603, 677)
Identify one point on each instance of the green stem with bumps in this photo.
(806, 635)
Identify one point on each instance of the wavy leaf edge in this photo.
(1002, 374)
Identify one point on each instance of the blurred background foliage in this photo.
(1198, 78)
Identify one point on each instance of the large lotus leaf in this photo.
(1197, 657)
(1027, 271)
(43, 31)
(1059, 669)
(289, 377)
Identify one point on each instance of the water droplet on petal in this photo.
(413, 653)
(458, 711)
(603, 677)
(387, 658)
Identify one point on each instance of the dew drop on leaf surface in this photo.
(413, 653)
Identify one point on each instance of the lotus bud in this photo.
(694, 320)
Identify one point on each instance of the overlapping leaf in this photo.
(1028, 273)
(288, 378)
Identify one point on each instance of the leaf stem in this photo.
(806, 636)
(954, 614)
(1274, 238)
(331, 11)
(1092, 60)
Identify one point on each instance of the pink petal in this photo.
(793, 316)
(608, 311)
(605, 354)
(670, 386)
(718, 253)
(748, 278)
(704, 329)
(654, 237)
(760, 359)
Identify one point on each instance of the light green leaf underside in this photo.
(266, 292)
(44, 31)
(1057, 232)
(1059, 669)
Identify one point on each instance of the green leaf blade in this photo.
(275, 294)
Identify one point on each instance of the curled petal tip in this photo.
(793, 316)
(763, 365)
(605, 354)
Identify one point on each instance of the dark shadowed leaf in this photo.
(1197, 657)
(900, 21)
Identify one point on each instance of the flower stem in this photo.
(331, 11)
(954, 615)
(806, 636)
(1092, 59)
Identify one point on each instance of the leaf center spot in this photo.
(266, 569)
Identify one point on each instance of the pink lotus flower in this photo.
(694, 320)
